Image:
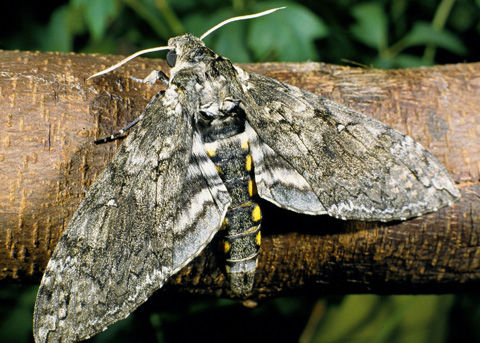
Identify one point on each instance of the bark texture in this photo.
(50, 115)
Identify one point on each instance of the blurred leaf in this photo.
(198, 23)
(98, 14)
(393, 319)
(371, 27)
(64, 24)
(422, 33)
(105, 46)
(408, 61)
(399, 61)
(463, 17)
(350, 320)
(231, 43)
(187, 5)
(286, 35)
(149, 14)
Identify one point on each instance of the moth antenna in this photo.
(243, 17)
(131, 57)
(146, 51)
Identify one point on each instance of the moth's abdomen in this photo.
(233, 161)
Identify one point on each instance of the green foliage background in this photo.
(381, 33)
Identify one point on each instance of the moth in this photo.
(204, 149)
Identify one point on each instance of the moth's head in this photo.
(187, 49)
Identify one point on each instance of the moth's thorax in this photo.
(219, 128)
(220, 116)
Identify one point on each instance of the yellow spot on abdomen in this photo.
(258, 238)
(256, 214)
(248, 163)
(226, 247)
(210, 151)
(224, 224)
(252, 188)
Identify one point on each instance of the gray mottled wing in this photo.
(357, 167)
(149, 213)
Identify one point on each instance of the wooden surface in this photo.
(50, 115)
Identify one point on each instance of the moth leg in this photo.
(119, 134)
(153, 77)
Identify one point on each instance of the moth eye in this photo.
(171, 58)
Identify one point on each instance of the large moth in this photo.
(202, 151)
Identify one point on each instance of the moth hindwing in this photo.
(202, 152)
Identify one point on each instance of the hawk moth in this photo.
(202, 151)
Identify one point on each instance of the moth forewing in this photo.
(191, 167)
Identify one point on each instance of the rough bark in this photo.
(50, 115)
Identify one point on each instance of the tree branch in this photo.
(50, 116)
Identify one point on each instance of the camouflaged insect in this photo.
(201, 152)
